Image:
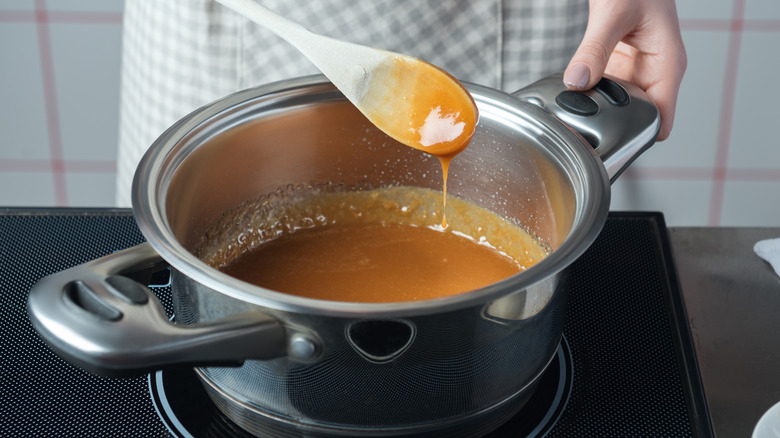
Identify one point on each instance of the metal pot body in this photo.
(461, 372)
(459, 365)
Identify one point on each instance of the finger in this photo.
(606, 27)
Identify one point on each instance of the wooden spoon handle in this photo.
(347, 65)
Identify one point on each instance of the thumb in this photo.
(605, 29)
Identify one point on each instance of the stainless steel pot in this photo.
(458, 365)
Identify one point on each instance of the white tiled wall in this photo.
(721, 166)
(59, 90)
(59, 94)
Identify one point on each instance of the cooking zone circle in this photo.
(187, 411)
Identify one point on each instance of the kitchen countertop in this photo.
(732, 298)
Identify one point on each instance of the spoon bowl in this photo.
(412, 101)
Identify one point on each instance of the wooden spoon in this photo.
(412, 101)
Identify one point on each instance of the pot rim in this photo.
(162, 159)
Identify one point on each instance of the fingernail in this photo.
(577, 76)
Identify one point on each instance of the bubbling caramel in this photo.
(382, 245)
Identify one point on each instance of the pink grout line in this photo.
(667, 173)
(705, 25)
(635, 173)
(50, 101)
(79, 166)
(761, 26)
(91, 166)
(753, 175)
(719, 173)
(17, 17)
(693, 25)
(700, 174)
(11, 166)
(85, 17)
(79, 17)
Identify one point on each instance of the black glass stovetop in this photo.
(626, 366)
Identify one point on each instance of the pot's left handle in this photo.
(96, 317)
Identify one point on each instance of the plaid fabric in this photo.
(181, 54)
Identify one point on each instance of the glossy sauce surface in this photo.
(372, 263)
(382, 245)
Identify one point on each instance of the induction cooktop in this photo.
(626, 366)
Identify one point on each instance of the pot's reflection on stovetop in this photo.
(632, 373)
(184, 406)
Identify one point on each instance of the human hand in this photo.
(638, 41)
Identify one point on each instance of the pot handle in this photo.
(616, 117)
(97, 317)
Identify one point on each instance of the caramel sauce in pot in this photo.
(382, 245)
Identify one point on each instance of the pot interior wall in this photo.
(241, 155)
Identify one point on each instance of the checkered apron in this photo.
(179, 55)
